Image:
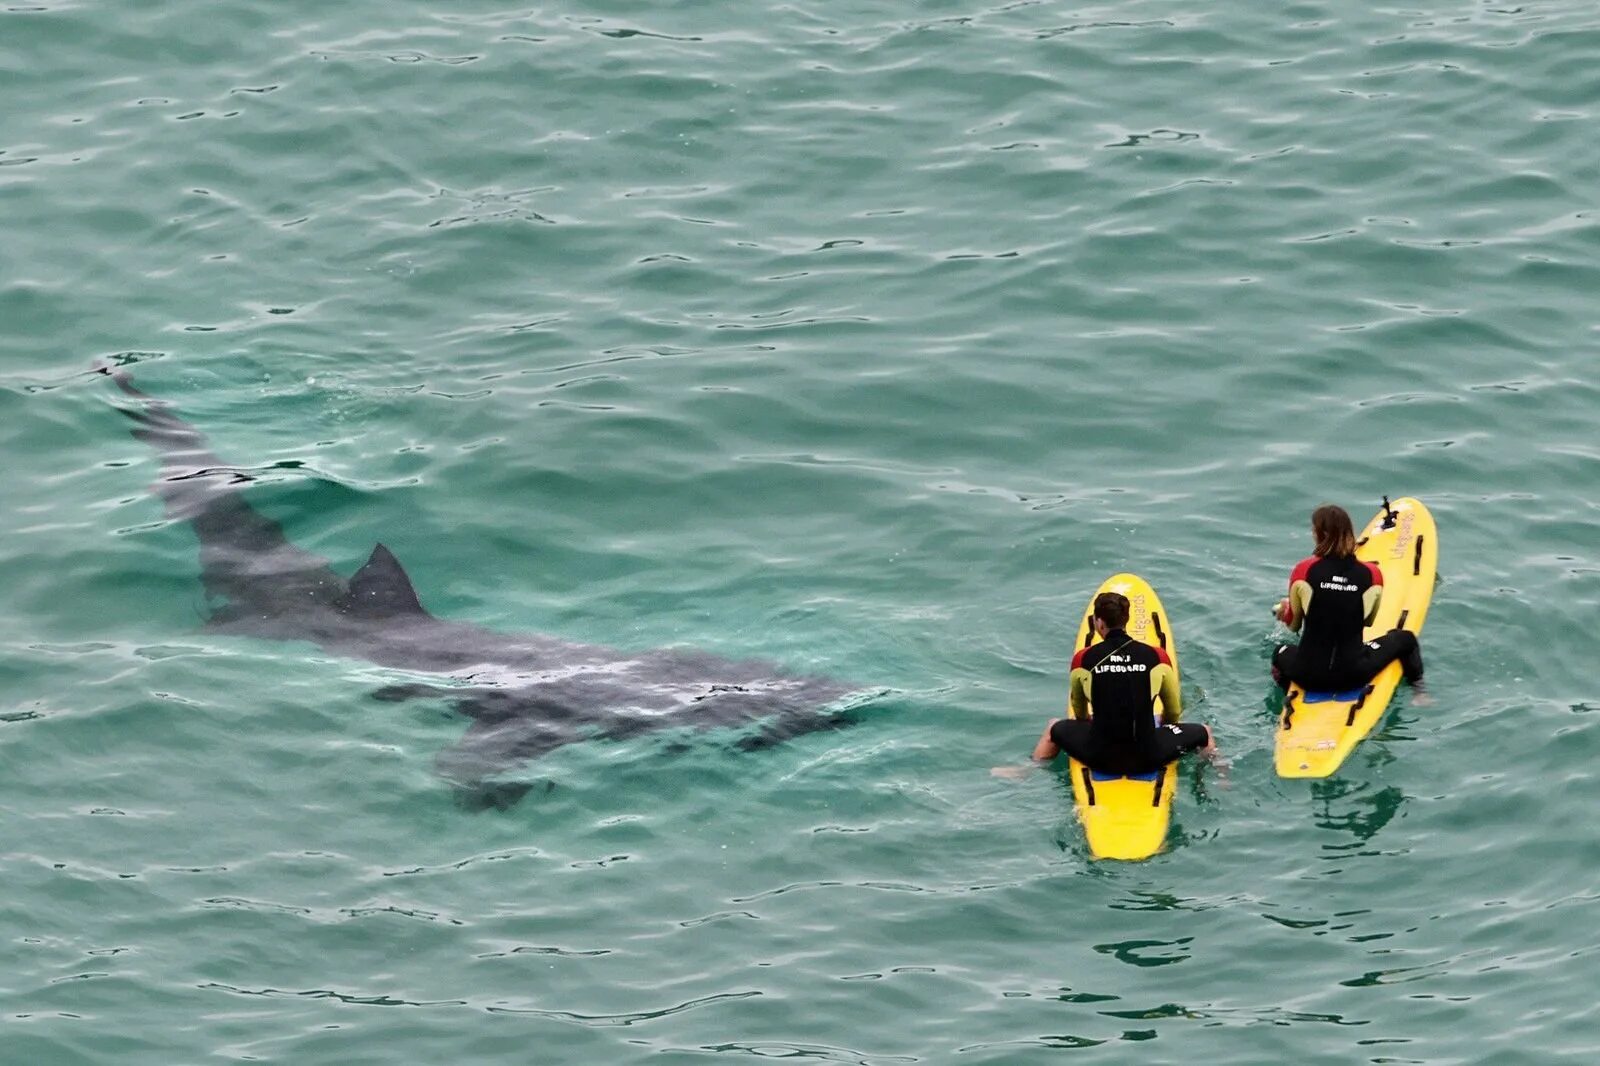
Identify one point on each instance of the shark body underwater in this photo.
(526, 694)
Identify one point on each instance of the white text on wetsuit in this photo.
(1120, 664)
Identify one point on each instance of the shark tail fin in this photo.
(245, 557)
(180, 445)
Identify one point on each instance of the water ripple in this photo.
(859, 338)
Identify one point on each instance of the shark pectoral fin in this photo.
(401, 693)
(496, 795)
(487, 749)
(791, 726)
(381, 589)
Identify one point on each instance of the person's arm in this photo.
(1078, 694)
(1077, 707)
(1292, 611)
(1373, 595)
(1166, 680)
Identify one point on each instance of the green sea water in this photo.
(866, 338)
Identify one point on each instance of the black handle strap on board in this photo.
(1389, 514)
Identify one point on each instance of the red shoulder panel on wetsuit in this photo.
(1302, 570)
(1377, 573)
(1077, 658)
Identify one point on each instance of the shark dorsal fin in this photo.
(381, 588)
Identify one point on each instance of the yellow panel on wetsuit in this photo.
(1127, 817)
(1316, 733)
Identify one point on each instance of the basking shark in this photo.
(526, 694)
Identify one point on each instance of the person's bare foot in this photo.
(1219, 765)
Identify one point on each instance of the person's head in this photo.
(1111, 610)
(1330, 526)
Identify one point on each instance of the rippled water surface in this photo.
(864, 338)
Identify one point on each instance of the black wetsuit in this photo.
(1335, 596)
(1119, 679)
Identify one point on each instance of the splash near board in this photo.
(1126, 817)
(1317, 730)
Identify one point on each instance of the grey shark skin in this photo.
(526, 694)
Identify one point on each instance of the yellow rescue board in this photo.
(1315, 737)
(1127, 817)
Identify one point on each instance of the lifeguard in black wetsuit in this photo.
(1332, 597)
(1120, 678)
